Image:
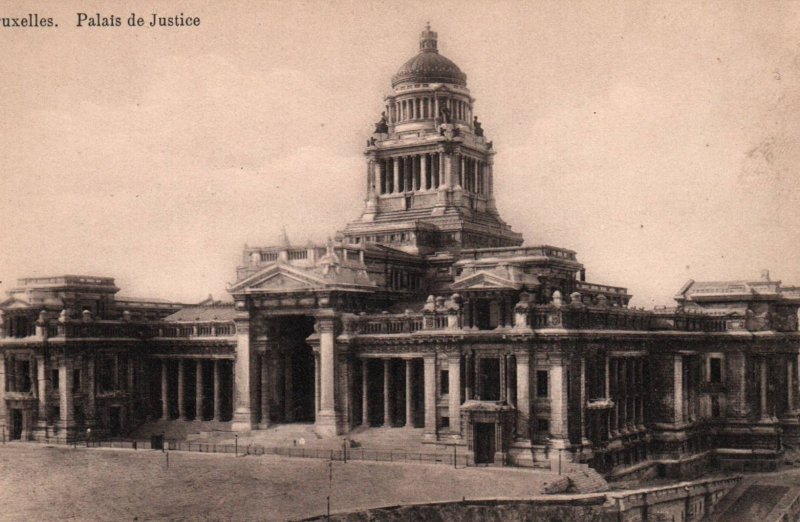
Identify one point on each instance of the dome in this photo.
(428, 66)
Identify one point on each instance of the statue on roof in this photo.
(382, 127)
(446, 115)
(476, 125)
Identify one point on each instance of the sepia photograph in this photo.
(364, 260)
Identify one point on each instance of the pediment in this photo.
(281, 281)
(279, 277)
(484, 280)
(14, 304)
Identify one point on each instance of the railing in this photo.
(341, 454)
(383, 324)
(535, 251)
(75, 329)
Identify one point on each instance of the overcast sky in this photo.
(661, 141)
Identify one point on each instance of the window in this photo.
(715, 370)
(76, 381)
(543, 425)
(54, 382)
(445, 422)
(444, 379)
(715, 410)
(542, 383)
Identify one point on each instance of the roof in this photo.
(224, 312)
(428, 66)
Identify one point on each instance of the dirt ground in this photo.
(39, 482)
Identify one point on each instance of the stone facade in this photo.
(428, 312)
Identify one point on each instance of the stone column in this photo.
(265, 413)
(558, 405)
(424, 175)
(409, 394)
(789, 385)
(217, 396)
(416, 160)
(244, 376)
(523, 396)
(3, 390)
(198, 399)
(91, 388)
(164, 391)
(765, 414)
(317, 372)
(41, 362)
(181, 390)
(65, 393)
(584, 440)
(454, 375)
(327, 420)
(503, 377)
(387, 410)
(396, 172)
(678, 387)
(430, 396)
(32, 376)
(468, 377)
(365, 392)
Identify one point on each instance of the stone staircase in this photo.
(583, 478)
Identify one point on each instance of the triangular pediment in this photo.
(13, 303)
(484, 280)
(279, 278)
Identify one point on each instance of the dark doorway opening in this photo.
(16, 424)
(114, 421)
(293, 371)
(484, 442)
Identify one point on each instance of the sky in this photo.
(659, 140)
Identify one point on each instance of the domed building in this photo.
(426, 313)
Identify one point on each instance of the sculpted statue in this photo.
(477, 127)
(382, 127)
(446, 115)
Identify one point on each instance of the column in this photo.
(65, 392)
(503, 377)
(415, 172)
(164, 391)
(245, 376)
(387, 410)
(523, 396)
(396, 167)
(32, 376)
(3, 373)
(454, 375)
(198, 399)
(476, 379)
(678, 387)
(264, 388)
(425, 173)
(789, 385)
(558, 404)
(765, 414)
(327, 420)
(584, 440)
(409, 394)
(429, 377)
(440, 165)
(217, 397)
(365, 392)
(317, 372)
(181, 401)
(468, 377)
(41, 362)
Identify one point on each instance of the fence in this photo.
(343, 454)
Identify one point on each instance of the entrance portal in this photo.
(484, 442)
(16, 424)
(292, 371)
(114, 421)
